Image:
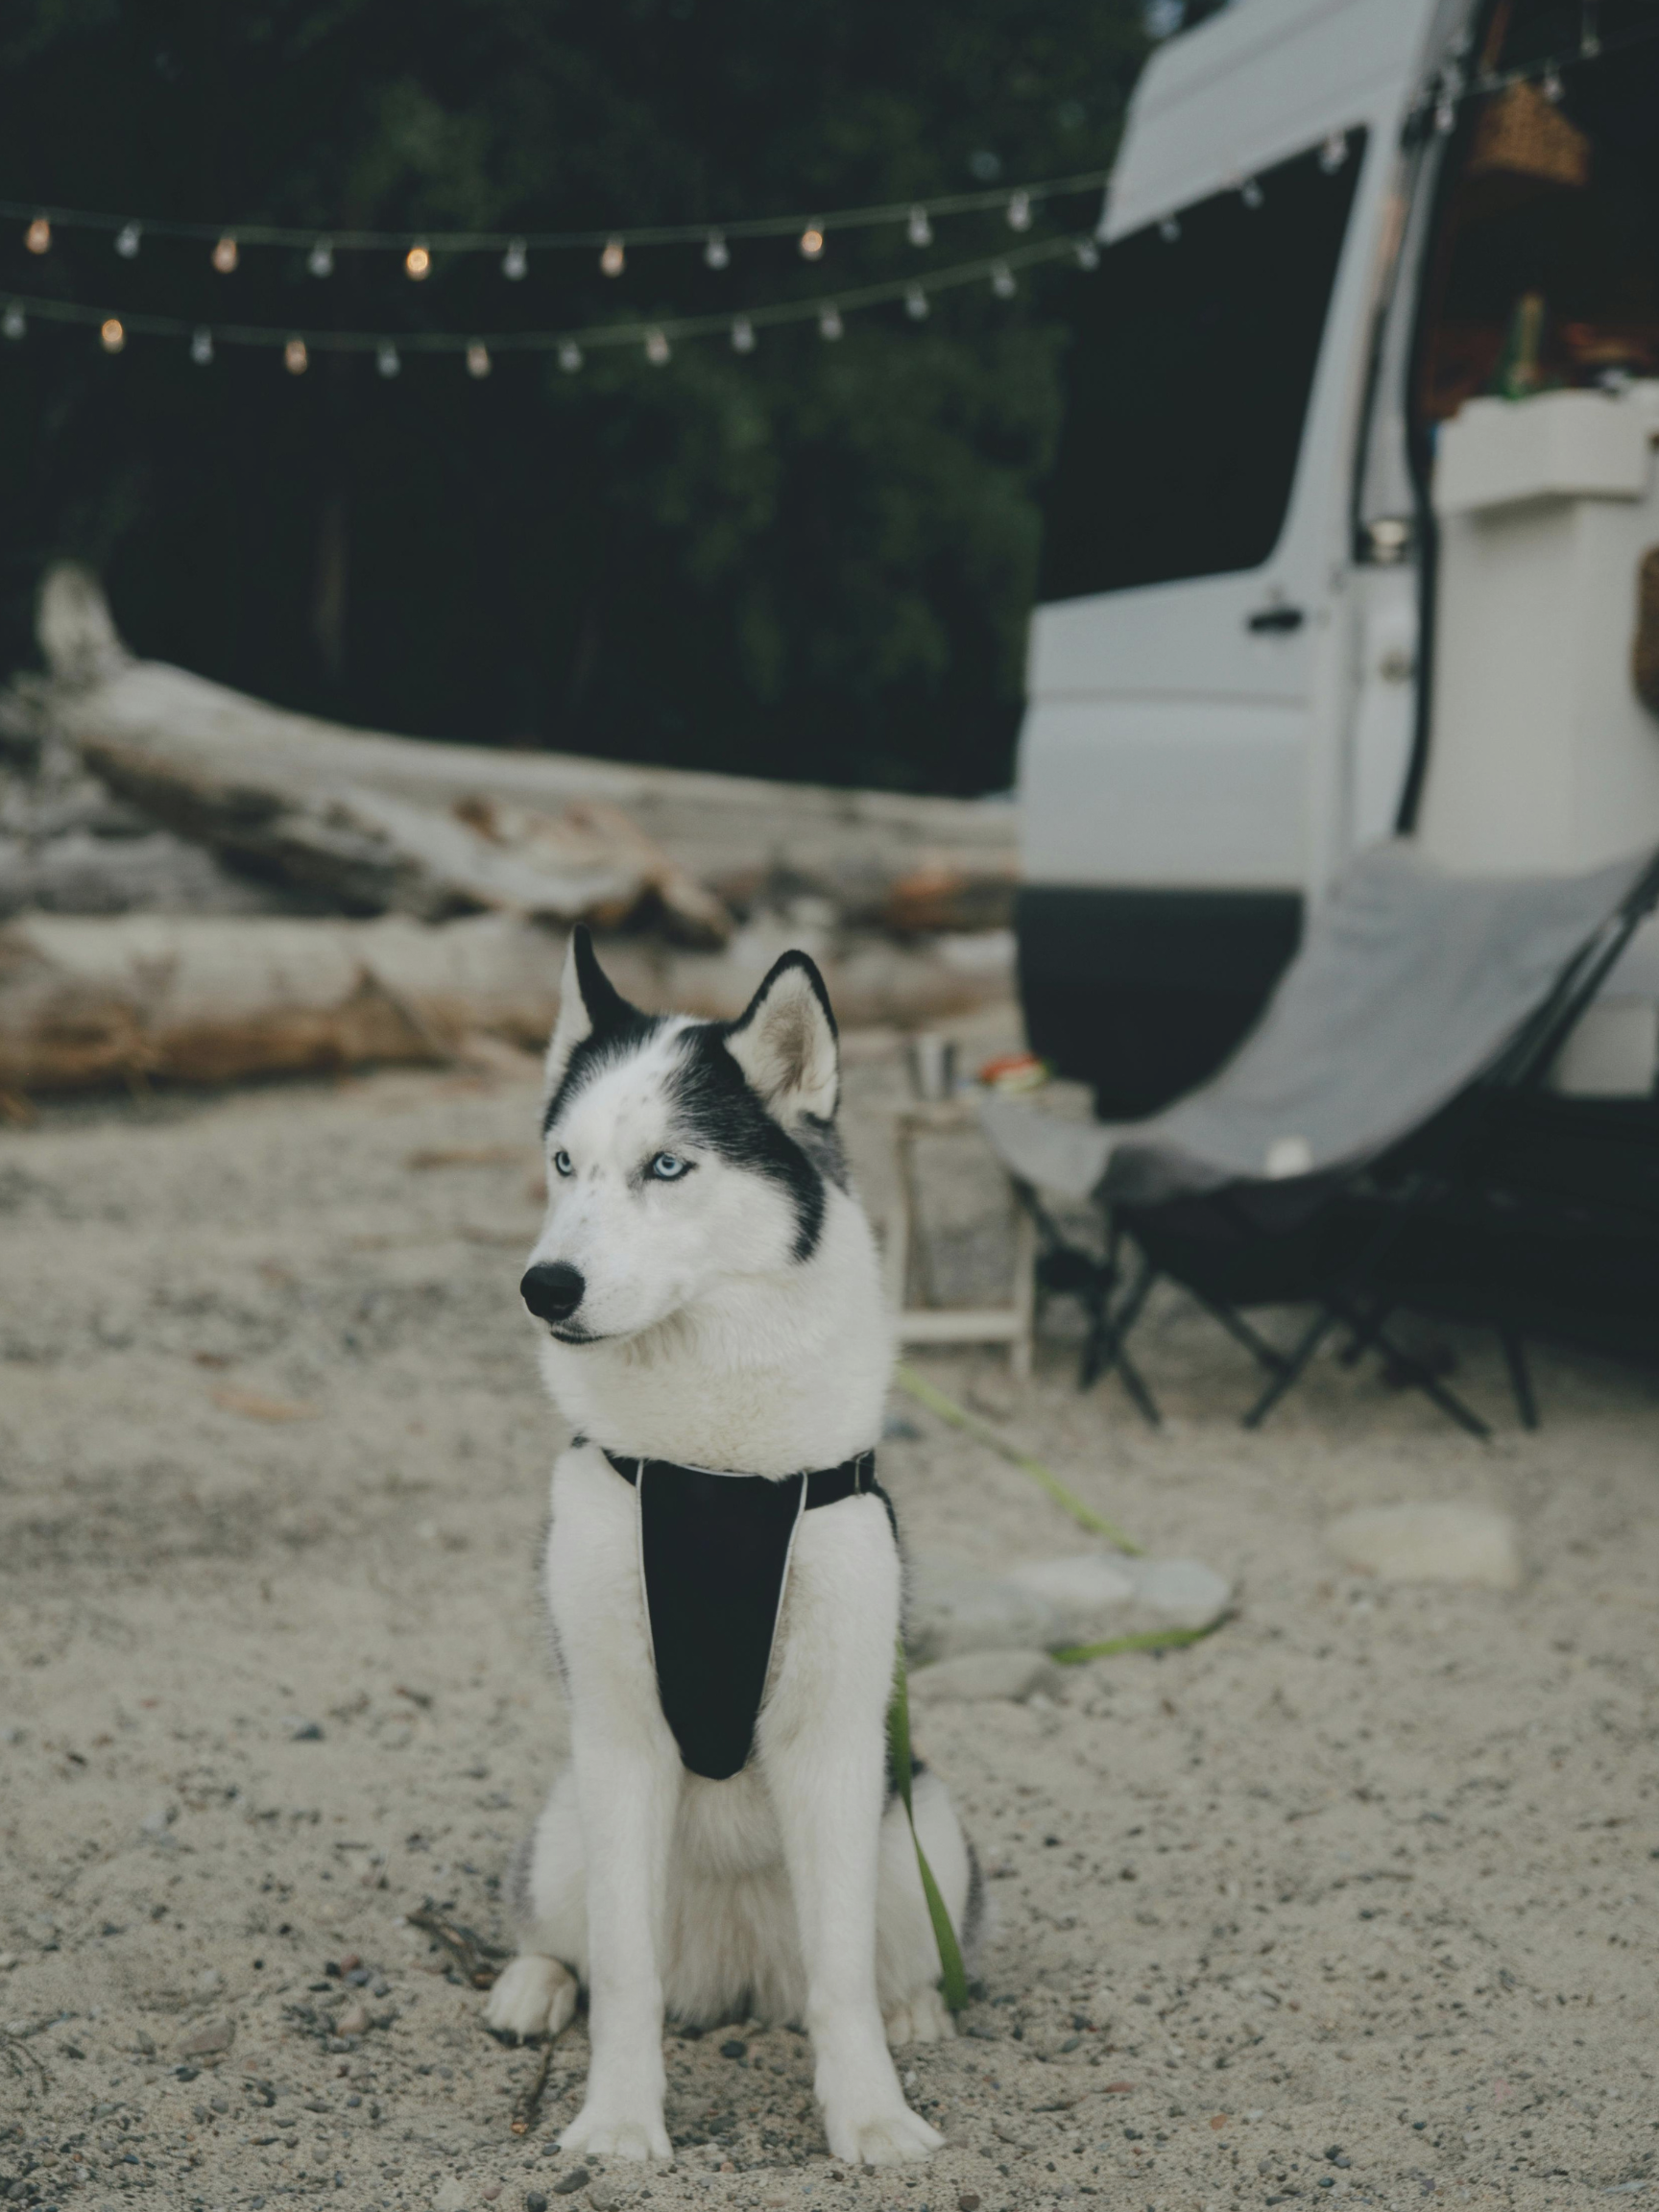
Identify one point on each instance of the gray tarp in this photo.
(1407, 984)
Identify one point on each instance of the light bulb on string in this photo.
(1552, 89)
(515, 262)
(1088, 254)
(615, 258)
(918, 229)
(226, 255)
(829, 323)
(417, 263)
(320, 258)
(1334, 152)
(386, 360)
(1169, 229)
(1445, 115)
(14, 323)
(1019, 211)
(127, 241)
(201, 348)
(569, 357)
(295, 358)
(915, 303)
(38, 236)
(656, 347)
(716, 254)
(1002, 280)
(811, 242)
(111, 336)
(478, 361)
(1589, 31)
(743, 335)
(1250, 192)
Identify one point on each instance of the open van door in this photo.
(1200, 658)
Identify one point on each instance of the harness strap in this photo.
(853, 1478)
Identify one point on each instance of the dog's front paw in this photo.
(615, 2135)
(532, 1996)
(890, 2138)
(923, 2018)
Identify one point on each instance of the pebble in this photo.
(976, 1677)
(355, 2020)
(535, 2201)
(211, 2037)
(968, 2202)
(606, 2197)
(159, 1820)
(568, 2184)
(1429, 1542)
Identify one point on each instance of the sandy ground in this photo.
(1358, 1898)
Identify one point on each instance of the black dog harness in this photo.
(715, 1551)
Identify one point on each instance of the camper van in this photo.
(1347, 533)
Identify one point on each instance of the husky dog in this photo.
(708, 1296)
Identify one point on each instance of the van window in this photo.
(1187, 382)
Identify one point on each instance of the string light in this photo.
(811, 242)
(915, 303)
(1002, 281)
(295, 358)
(657, 349)
(829, 323)
(1589, 33)
(743, 335)
(38, 236)
(127, 241)
(226, 255)
(1334, 152)
(1169, 229)
(111, 336)
(386, 360)
(716, 254)
(1250, 192)
(515, 262)
(569, 357)
(615, 258)
(417, 263)
(1552, 89)
(320, 258)
(201, 348)
(917, 228)
(1019, 211)
(478, 361)
(14, 323)
(1087, 253)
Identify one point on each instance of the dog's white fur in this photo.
(787, 1890)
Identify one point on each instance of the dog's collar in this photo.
(824, 1485)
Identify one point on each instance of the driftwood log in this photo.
(86, 1001)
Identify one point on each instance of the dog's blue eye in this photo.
(667, 1167)
(561, 1160)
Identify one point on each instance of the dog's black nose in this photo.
(552, 1289)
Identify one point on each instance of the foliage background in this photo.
(815, 562)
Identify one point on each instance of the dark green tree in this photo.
(814, 561)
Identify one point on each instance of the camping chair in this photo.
(1356, 1109)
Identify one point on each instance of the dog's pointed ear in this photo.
(590, 1003)
(785, 1042)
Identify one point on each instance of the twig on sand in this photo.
(1148, 1640)
(528, 2101)
(958, 1416)
(28, 2065)
(479, 1960)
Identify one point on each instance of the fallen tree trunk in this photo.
(88, 1001)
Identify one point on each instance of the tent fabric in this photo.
(1407, 984)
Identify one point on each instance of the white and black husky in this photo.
(711, 1303)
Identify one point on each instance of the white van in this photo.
(1328, 224)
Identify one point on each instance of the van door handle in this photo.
(1274, 618)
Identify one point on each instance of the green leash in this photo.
(952, 1978)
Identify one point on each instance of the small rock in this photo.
(535, 2201)
(732, 2048)
(306, 1731)
(1185, 1591)
(1429, 1542)
(1080, 1589)
(607, 2197)
(159, 1820)
(968, 2202)
(213, 2035)
(210, 1981)
(568, 2184)
(976, 1677)
(355, 2020)
(491, 2194)
(954, 1609)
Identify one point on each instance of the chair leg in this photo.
(1422, 1377)
(1520, 1374)
(1239, 1330)
(1290, 1369)
(1107, 1345)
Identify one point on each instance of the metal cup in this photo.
(932, 1067)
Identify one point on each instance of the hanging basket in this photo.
(1520, 134)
